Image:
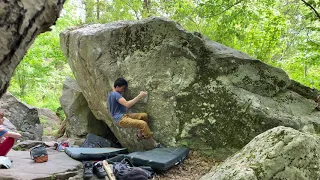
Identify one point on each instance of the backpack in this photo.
(124, 170)
(39, 154)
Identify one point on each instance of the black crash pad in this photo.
(86, 154)
(159, 159)
(94, 141)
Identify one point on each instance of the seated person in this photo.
(6, 138)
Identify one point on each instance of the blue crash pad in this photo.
(86, 154)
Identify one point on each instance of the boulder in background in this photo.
(80, 119)
(23, 116)
(280, 153)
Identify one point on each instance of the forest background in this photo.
(281, 33)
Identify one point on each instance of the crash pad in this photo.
(86, 154)
(94, 141)
(159, 159)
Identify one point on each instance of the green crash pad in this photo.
(159, 159)
(86, 154)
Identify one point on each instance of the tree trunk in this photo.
(146, 5)
(20, 22)
(305, 70)
(62, 129)
(89, 8)
(98, 9)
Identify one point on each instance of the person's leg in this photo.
(127, 122)
(6, 145)
(140, 116)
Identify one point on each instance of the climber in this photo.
(118, 106)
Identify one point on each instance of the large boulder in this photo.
(80, 120)
(20, 23)
(49, 121)
(280, 153)
(48, 114)
(201, 93)
(23, 116)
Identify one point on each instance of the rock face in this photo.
(48, 114)
(49, 121)
(24, 117)
(20, 23)
(80, 120)
(59, 166)
(201, 93)
(280, 153)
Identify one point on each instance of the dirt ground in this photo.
(193, 168)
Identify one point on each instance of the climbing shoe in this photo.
(87, 170)
(159, 146)
(99, 170)
(140, 136)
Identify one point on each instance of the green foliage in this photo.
(60, 113)
(39, 77)
(276, 32)
(281, 33)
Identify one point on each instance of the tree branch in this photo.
(312, 8)
(238, 2)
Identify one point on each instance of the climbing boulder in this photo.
(201, 93)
